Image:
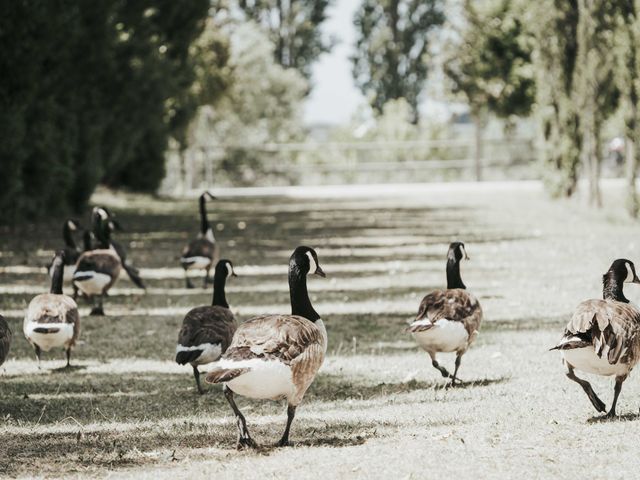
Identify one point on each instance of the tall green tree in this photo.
(627, 76)
(595, 93)
(554, 25)
(490, 65)
(294, 28)
(90, 92)
(392, 49)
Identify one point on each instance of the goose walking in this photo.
(52, 319)
(71, 251)
(207, 331)
(448, 320)
(102, 215)
(202, 252)
(98, 269)
(603, 336)
(5, 339)
(276, 356)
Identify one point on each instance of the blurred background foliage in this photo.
(135, 94)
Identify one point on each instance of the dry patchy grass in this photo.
(377, 409)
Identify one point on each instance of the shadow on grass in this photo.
(334, 387)
(625, 417)
(54, 453)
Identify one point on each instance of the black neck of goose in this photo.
(612, 288)
(219, 297)
(453, 274)
(57, 277)
(300, 303)
(68, 236)
(204, 221)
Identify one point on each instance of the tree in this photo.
(491, 65)
(595, 93)
(554, 25)
(91, 92)
(392, 49)
(263, 104)
(293, 27)
(627, 77)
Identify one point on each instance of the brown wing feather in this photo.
(613, 328)
(208, 324)
(282, 337)
(454, 304)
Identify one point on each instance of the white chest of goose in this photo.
(276, 356)
(207, 331)
(448, 320)
(603, 336)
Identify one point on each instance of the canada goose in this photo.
(603, 336)
(102, 215)
(207, 331)
(448, 320)
(5, 339)
(52, 319)
(98, 269)
(276, 356)
(71, 251)
(202, 252)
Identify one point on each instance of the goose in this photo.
(5, 339)
(202, 252)
(101, 214)
(603, 336)
(207, 331)
(276, 356)
(448, 320)
(98, 269)
(71, 251)
(52, 319)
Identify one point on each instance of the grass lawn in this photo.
(377, 409)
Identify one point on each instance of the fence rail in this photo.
(308, 163)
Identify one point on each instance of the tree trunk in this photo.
(478, 145)
(631, 161)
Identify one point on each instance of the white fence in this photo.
(347, 162)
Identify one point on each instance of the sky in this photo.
(334, 97)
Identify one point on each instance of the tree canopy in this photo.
(91, 92)
(392, 49)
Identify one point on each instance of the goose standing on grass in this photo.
(207, 331)
(102, 215)
(202, 252)
(5, 339)
(276, 356)
(98, 269)
(448, 320)
(71, 251)
(52, 319)
(603, 336)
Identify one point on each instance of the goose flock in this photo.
(277, 356)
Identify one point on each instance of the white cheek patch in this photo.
(313, 266)
(229, 269)
(71, 226)
(630, 275)
(464, 252)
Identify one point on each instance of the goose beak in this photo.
(636, 279)
(320, 272)
(233, 273)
